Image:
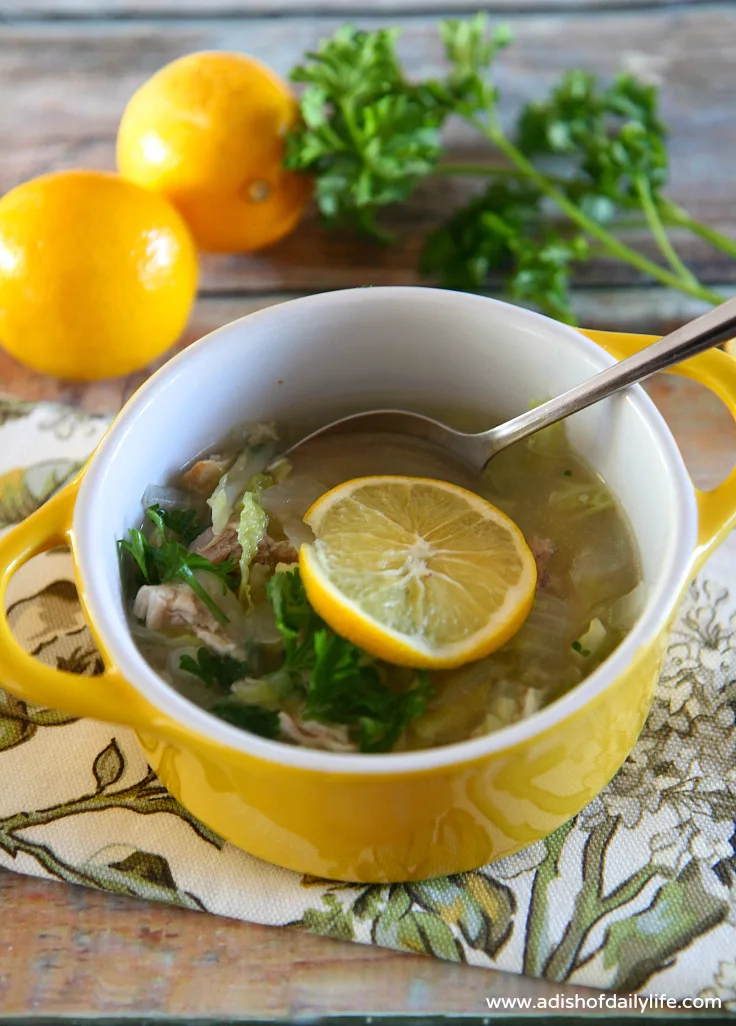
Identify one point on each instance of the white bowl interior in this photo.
(313, 359)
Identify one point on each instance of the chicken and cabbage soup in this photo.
(218, 605)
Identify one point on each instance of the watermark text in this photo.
(629, 1002)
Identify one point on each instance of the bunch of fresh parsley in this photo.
(369, 136)
(339, 683)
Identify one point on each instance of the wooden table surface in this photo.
(67, 68)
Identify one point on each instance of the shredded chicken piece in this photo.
(310, 734)
(271, 552)
(226, 546)
(172, 607)
(205, 475)
(542, 549)
(218, 548)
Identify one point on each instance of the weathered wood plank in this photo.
(641, 310)
(254, 8)
(315, 258)
(69, 951)
(70, 82)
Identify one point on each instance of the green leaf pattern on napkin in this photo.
(637, 893)
(24, 489)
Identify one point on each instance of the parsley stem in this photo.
(659, 232)
(655, 219)
(185, 574)
(347, 112)
(675, 215)
(484, 170)
(588, 225)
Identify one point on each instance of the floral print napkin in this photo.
(638, 893)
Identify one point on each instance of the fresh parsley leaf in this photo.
(346, 687)
(504, 231)
(341, 683)
(163, 559)
(471, 47)
(252, 718)
(214, 669)
(138, 548)
(222, 671)
(542, 272)
(366, 134)
(477, 239)
(613, 136)
(183, 522)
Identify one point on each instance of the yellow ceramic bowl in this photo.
(381, 817)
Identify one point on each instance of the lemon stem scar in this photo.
(258, 191)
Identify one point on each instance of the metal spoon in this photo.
(717, 325)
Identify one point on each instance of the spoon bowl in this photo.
(708, 330)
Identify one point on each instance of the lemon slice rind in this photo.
(349, 619)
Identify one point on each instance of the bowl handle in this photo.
(107, 696)
(717, 371)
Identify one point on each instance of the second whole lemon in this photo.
(208, 131)
(97, 276)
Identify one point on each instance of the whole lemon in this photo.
(207, 131)
(97, 276)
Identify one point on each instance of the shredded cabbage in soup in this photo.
(217, 607)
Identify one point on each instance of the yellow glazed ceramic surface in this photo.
(366, 818)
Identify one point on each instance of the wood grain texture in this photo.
(66, 950)
(22, 9)
(71, 80)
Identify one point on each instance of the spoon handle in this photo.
(717, 325)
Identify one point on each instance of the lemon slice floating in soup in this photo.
(415, 571)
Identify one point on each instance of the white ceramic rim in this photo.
(167, 700)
